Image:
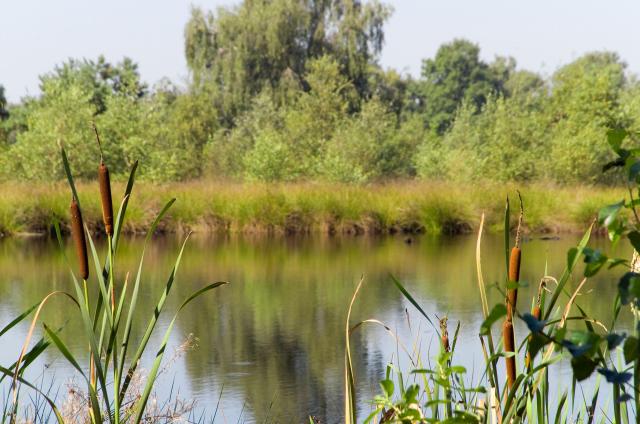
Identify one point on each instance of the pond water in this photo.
(270, 346)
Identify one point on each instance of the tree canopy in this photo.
(292, 90)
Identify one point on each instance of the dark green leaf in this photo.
(615, 137)
(630, 349)
(607, 215)
(583, 367)
(496, 313)
(387, 387)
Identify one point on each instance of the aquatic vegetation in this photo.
(114, 392)
(522, 392)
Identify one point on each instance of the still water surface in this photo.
(270, 345)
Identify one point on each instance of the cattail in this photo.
(537, 314)
(514, 276)
(105, 194)
(509, 346)
(445, 334)
(77, 232)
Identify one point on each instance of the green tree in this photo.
(585, 103)
(368, 147)
(457, 75)
(4, 112)
(100, 78)
(243, 50)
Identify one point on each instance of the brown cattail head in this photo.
(514, 276)
(537, 313)
(105, 194)
(77, 232)
(445, 334)
(509, 346)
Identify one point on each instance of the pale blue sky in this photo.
(541, 35)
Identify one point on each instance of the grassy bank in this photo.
(411, 207)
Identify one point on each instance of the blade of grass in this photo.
(350, 389)
(142, 403)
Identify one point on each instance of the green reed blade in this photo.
(55, 410)
(410, 298)
(95, 405)
(142, 403)
(507, 241)
(134, 294)
(568, 271)
(100, 275)
(152, 322)
(117, 229)
(18, 319)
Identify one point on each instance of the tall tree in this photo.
(457, 75)
(4, 113)
(239, 51)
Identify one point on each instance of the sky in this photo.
(542, 35)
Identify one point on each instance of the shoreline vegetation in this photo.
(216, 207)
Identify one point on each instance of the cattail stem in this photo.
(77, 232)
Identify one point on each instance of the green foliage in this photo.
(291, 90)
(238, 52)
(455, 76)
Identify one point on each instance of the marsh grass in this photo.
(301, 208)
(111, 365)
(514, 384)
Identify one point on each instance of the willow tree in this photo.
(237, 52)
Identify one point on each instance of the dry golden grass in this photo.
(214, 206)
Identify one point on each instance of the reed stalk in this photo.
(508, 337)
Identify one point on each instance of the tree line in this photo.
(292, 90)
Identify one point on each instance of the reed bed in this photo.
(509, 390)
(228, 207)
(111, 364)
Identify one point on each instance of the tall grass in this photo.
(112, 358)
(521, 391)
(209, 206)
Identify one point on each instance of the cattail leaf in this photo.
(507, 229)
(134, 294)
(67, 171)
(18, 319)
(64, 350)
(572, 262)
(631, 349)
(52, 405)
(410, 298)
(142, 403)
(583, 367)
(123, 206)
(496, 313)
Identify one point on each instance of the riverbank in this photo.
(302, 208)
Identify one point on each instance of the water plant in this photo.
(107, 309)
(523, 393)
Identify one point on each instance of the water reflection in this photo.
(274, 338)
